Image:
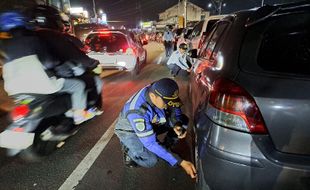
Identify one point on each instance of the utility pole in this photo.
(185, 13)
(218, 4)
(263, 2)
(94, 9)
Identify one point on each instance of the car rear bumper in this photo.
(115, 62)
(226, 163)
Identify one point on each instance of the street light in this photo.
(209, 5)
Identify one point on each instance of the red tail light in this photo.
(18, 129)
(231, 106)
(104, 33)
(19, 112)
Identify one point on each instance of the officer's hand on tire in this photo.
(189, 168)
(180, 131)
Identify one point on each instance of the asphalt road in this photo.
(92, 159)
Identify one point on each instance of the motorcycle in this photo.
(40, 124)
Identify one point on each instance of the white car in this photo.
(202, 30)
(116, 49)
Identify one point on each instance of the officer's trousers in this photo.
(136, 150)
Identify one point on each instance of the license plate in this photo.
(16, 140)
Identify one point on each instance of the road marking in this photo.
(159, 60)
(79, 172)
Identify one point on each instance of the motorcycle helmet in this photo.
(47, 17)
(11, 20)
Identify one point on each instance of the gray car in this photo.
(250, 93)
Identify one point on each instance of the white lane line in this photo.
(79, 172)
(159, 60)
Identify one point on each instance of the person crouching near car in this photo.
(153, 110)
(180, 63)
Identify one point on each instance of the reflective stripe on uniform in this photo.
(138, 120)
(145, 134)
(134, 100)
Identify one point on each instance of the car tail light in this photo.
(231, 106)
(19, 112)
(18, 129)
(105, 33)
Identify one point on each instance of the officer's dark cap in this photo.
(168, 90)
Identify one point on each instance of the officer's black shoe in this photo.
(129, 162)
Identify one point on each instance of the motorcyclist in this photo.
(50, 27)
(23, 71)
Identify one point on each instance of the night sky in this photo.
(132, 11)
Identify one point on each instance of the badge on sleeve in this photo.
(139, 124)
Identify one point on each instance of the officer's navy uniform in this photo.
(136, 129)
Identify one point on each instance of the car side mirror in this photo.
(193, 53)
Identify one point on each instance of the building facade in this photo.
(181, 13)
(63, 5)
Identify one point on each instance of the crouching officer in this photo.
(179, 62)
(153, 110)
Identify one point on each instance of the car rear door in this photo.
(275, 63)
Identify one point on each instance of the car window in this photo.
(212, 40)
(210, 25)
(109, 42)
(282, 45)
(197, 29)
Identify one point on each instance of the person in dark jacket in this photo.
(73, 63)
(24, 68)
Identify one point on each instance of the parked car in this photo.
(184, 37)
(250, 91)
(177, 34)
(116, 49)
(201, 30)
